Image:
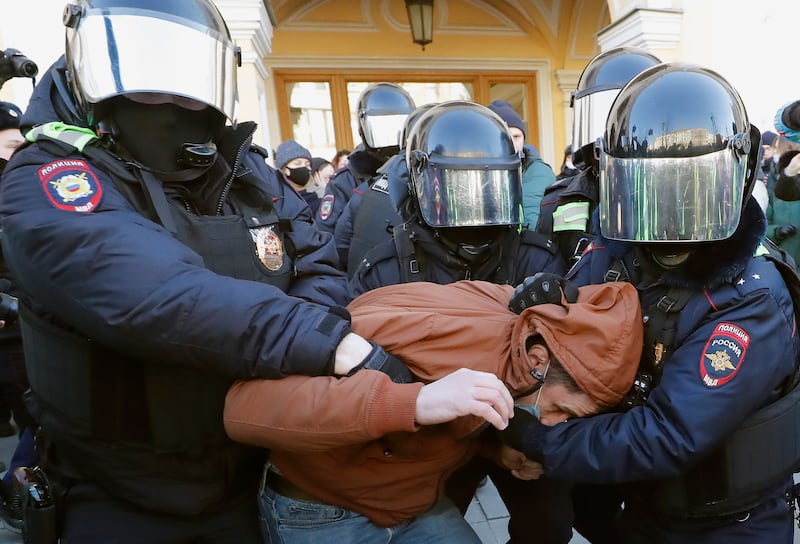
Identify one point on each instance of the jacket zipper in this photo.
(226, 189)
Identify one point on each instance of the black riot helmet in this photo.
(138, 68)
(464, 169)
(411, 120)
(118, 47)
(598, 85)
(398, 185)
(382, 111)
(678, 159)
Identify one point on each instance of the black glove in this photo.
(524, 433)
(379, 359)
(784, 231)
(541, 288)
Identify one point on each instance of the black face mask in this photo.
(155, 134)
(300, 176)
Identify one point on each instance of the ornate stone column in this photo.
(567, 82)
(653, 25)
(251, 25)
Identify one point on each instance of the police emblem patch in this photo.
(723, 354)
(269, 247)
(71, 185)
(326, 207)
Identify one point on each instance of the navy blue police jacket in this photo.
(343, 230)
(126, 279)
(574, 200)
(393, 171)
(736, 344)
(362, 165)
(382, 265)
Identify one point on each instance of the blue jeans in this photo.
(290, 521)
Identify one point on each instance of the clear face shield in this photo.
(590, 112)
(459, 195)
(383, 130)
(126, 50)
(688, 199)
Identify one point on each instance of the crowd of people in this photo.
(223, 344)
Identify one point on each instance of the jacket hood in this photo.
(598, 339)
(436, 329)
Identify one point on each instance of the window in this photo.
(318, 109)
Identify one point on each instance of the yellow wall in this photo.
(545, 36)
(552, 36)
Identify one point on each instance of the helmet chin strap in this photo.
(669, 258)
(471, 244)
(198, 155)
(469, 252)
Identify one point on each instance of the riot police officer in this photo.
(370, 215)
(159, 259)
(461, 221)
(707, 457)
(567, 205)
(382, 111)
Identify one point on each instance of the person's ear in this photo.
(539, 356)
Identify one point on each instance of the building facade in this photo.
(306, 61)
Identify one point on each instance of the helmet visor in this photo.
(590, 112)
(384, 130)
(465, 196)
(130, 50)
(688, 199)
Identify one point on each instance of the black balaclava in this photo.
(299, 175)
(155, 134)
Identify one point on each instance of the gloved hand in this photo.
(524, 433)
(784, 231)
(541, 288)
(379, 359)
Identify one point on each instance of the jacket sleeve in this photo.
(126, 282)
(338, 192)
(684, 418)
(299, 413)
(343, 231)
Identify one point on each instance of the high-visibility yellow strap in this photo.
(571, 216)
(77, 137)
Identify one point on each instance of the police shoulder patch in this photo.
(723, 354)
(71, 185)
(326, 207)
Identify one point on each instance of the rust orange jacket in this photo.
(353, 442)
